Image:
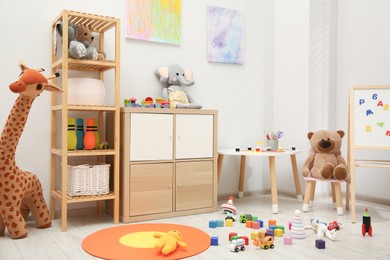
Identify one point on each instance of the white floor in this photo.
(51, 243)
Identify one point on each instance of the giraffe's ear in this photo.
(22, 65)
(53, 88)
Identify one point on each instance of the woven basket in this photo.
(88, 179)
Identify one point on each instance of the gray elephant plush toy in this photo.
(174, 78)
(79, 42)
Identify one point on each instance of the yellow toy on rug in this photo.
(168, 242)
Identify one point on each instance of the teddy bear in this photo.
(79, 42)
(174, 78)
(325, 160)
(168, 242)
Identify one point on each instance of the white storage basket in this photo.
(88, 179)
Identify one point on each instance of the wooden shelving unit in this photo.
(60, 112)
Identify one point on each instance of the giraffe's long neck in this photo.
(14, 127)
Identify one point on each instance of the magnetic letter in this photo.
(388, 133)
(386, 107)
(369, 112)
(380, 103)
(374, 96)
(368, 128)
(361, 101)
(380, 124)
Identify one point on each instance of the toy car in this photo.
(265, 243)
(245, 217)
(237, 245)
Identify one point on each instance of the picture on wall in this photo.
(225, 35)
(154, 20)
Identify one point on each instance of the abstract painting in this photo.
(225, 39)
(154, 20)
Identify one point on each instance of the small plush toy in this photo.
(79, 42)
(325, 160)
(322, 230)
(174, 78)
(168, 242)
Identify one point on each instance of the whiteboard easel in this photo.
(368, 129)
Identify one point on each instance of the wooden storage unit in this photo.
(168, 162)
(60, 112)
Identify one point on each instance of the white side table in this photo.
(271, 156)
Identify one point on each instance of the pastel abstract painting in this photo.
(154, 20)
(225, 39)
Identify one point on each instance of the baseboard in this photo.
(362, 198)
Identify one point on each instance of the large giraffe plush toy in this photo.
(21, 191)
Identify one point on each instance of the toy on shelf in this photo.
(366, 226)
(103, 145)
(237, 245)
(72, 137)
(174, 78)
(131, 102)
(147, 102)
(80, 133)
(21, 191)
(229, 207)
(90, 137)
(264, 243)
(168, 242)
(322, 229)
(79, 42)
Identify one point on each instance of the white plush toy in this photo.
(322, 230)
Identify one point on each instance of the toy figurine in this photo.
(229, 207)
(168, 242)
(366, 226)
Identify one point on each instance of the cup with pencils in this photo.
(273, 140)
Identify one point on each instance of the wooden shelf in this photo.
(85, 65)
(75, 199)
(60, 113)
(84, 108)
(97, 152)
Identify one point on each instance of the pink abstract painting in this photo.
(154, 20)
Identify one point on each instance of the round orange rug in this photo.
(137, 242)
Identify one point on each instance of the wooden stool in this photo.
(336, 194)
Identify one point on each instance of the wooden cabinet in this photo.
(61, 110)
(168, 162)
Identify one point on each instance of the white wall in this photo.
(363, 59)
(268, 92)
(291, 82)
(236, 91)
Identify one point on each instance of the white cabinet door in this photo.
(194, 136)
(151, 137)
